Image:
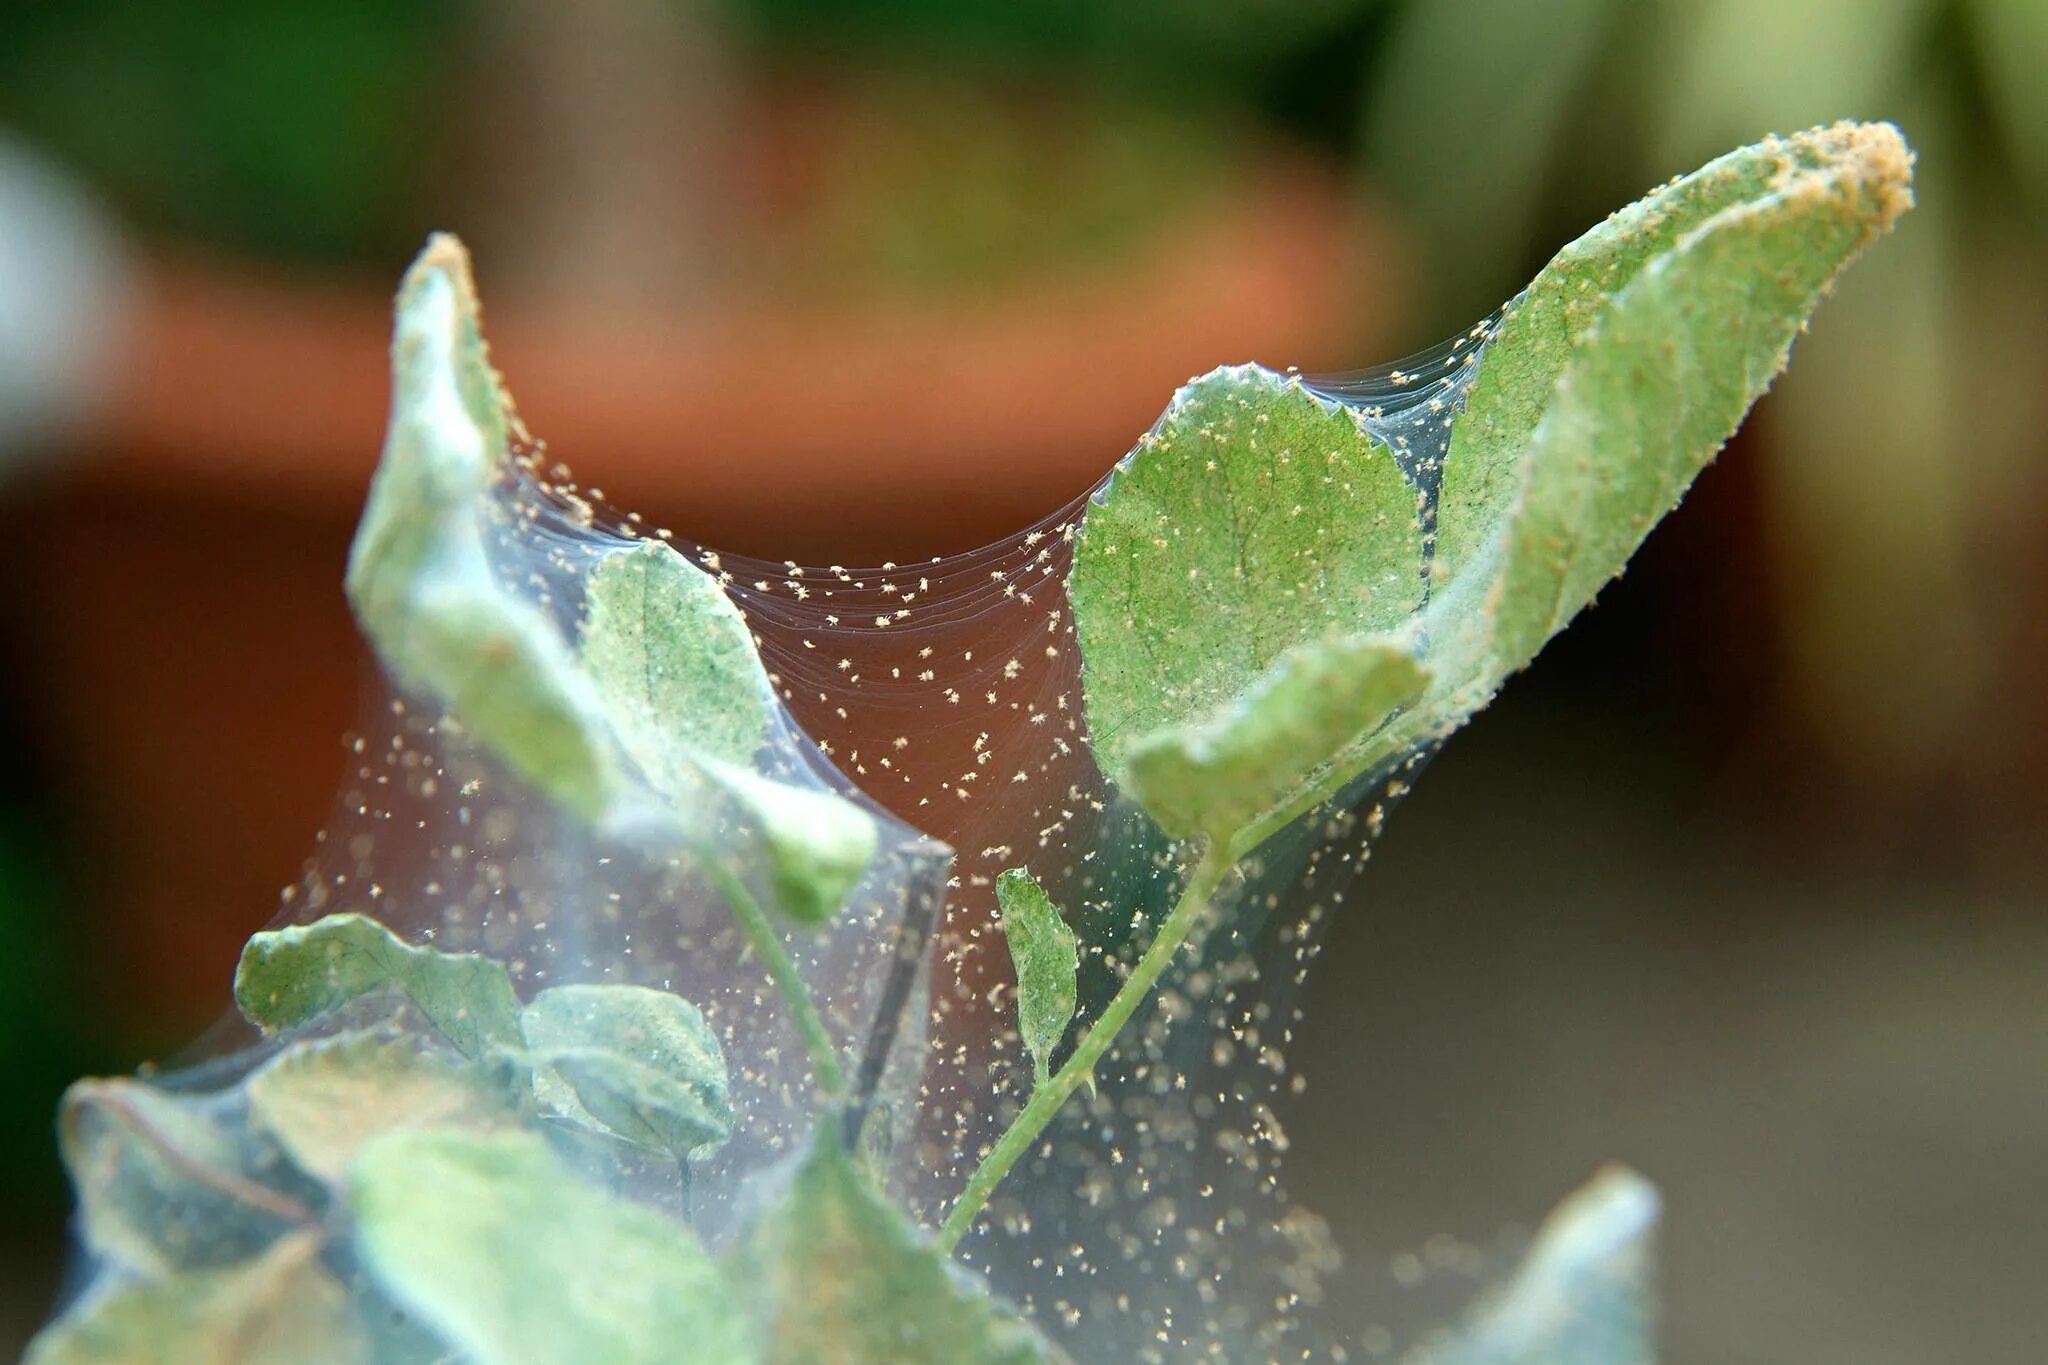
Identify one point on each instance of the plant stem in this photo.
(782, 971)
(1046, 1099)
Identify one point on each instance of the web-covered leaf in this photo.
(664, 681)
(1046, 955)
(281, 1308)
(321, 1100)
(1582, 1292)
(163, 1185)
(290, 977)
(507, 1257)
(1611, 382)
(639, 1064)
(835, 1272)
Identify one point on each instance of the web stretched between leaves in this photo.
(1153, 1223)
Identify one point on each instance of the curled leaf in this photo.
(1218, 775)
(290, 977)
(507, 1257)
(281, 1308)
(1045, 953)
(163, 1186)
(639, 1064)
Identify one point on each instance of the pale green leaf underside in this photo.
(636, 1063)
(1047, 957)
(1612, 381)
(282, 1308)
(1582, 1293)
(1219, 775)
(836, 1273)
(322, 1100)
(289, 977)
(663, 683)
(508, 1257)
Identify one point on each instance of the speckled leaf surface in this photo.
(639, 1064)
(290, 977)
(1610, 383)
(1047, 957)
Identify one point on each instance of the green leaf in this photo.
(637, 1063)
(1253, 517)
(835, 1273)
(1048, 962)
(418, 576)
(282, 1308)
(1661, 373)
(162, 1186)
(290, 977)
(818, 842)
(322, 1100)
(1219, 775)
(1611, 382)
(673, 662)
(505, 1255)
(1582, 1293)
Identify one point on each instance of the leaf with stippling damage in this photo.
(1047, 958)
(674, 664)
(506, 1256)
(281, 1308)
(1256, 516)
(636, 1063)
(290, 977)
(1609, 384)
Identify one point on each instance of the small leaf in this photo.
(1219, 775)
(506, 1256)
(162, 1186)
(1255, 516)
(322, 1100)
(638, 1063)
(1582, 1293)
(1045, 953)
(818, 842)
(282, 1308)
(836, 1273)
(290, 977)
(674, 663)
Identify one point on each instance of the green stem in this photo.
(1046, 1099)
(782, 971)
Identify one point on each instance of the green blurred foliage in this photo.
(292, 130)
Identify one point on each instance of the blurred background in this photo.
(1743, 884)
